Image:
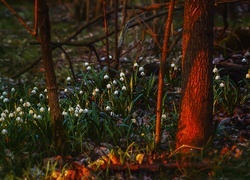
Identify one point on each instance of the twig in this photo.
(70, 64)
(106, 32)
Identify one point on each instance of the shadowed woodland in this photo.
(145, 89)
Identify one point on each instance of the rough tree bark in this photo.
(55, 110)
(195, 120)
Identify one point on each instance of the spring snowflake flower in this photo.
(85, 110)
(1, 97)
(106, 77)
(35, 88)
(244, 60)
(222, 85)
(172, 65)
(39, 117)
(136, 65)
(133, 121)
(5, 100)
(4, 131)
(2, 119)
(45, 90)
(112, 114)
(81, 92)
(114, 82)
(33, 91)
(3, 115)
(13, 89)
(41, 96)
(38, 104)
(116, 92)
(141, 69)
(121, 79)
(71, 109)
(65, 90)
(21, 100)
(18, 119)
(64, 113)
(108, 108)
(68, 79)
(97, 90)
(247, 76)
(122, 74)
(124, 88)
(80, 110)
(163, 116)
(42, 109)
(11, 115)
(89, 68)
(217, 77)
(31, 111)
(215, 70)
(142, 73)
(108, 86)
(18, 109)
(86, 64)
(26, 104)
(4, 93)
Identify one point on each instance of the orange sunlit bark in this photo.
(195, 121)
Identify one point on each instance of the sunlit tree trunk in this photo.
(55, 110)
(195, 120)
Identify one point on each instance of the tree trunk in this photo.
(195, 120)
(55, 110)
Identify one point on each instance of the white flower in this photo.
(19, 119)
(65, 90)
(11, 115)
(136, 65)
(31, 111)
(21, 100)
(121, 79)
(5, 100)
(48, 108)
(6, 111)
(122, 74)
(1, 97)
(172, 65)
(116, 92)
(41, 96)
(1, 119)
(248, 76)
(142, 73)
(81, 92)
(97, 90)
(106, 77)
(112, 114)
(21, 113)
(85, 110)
(86, 64)
(244, 60)
(89, 68)
(45, 90)
(108, 86)
(64, 113)
(26, 104)
(108, 108)
(68, 79)
(3, 115)
(141, 69)
(18, 109)
(222, 85)
(133, 121)
(42, 109)
(39, 117)
(38, 104)
(13, 89)
(35, 88)
(80, 110)
(124, 88)
(4, 131)
(114, 82)
(163, 116)
(71, 109)
(33, 91)
(4, 93)
(217, 77)
(215, 70)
